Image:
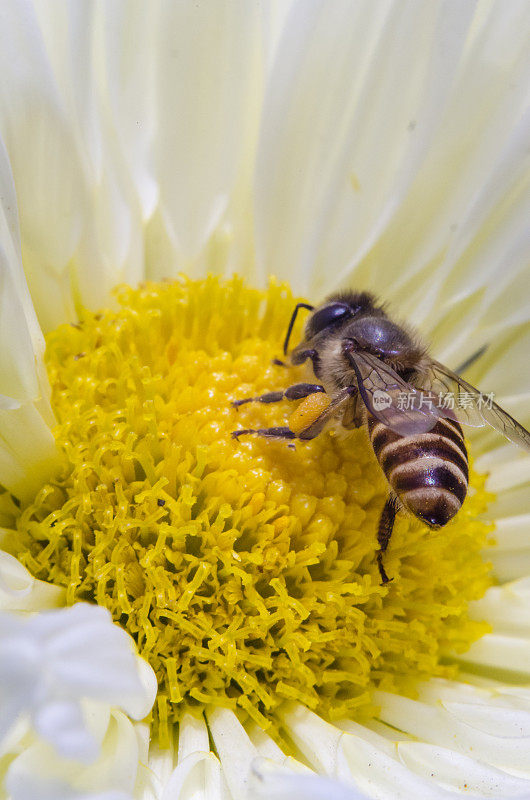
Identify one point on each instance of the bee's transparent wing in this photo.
(393, 401)
(471, 406)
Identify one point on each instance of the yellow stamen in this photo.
(245, 570)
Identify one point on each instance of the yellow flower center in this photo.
(244, 570)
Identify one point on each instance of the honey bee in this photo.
(375, 372)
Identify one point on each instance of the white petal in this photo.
(18, 688)
(18, 375)
(510, 564)
(61, 723)
(148, 785)
(193, 736)
(347, 129)
(88, 653)
(280, 785)
(438, 726)
(139, 704)
(42, 146)
(271, 757)
(439, 690)
(197, 775)
(265, 746)
(20, 591)
(113, 774)
(458, 772)
(234, 748)
(511, 533)
(516, 695)
(68, 31)
(110, 250)
(79, 245)
(371, 736)
(204, 93)
(52, 660)
(27, 450)
(156, 770)
(506, 608)
(508, 476)
(504, 722)
(500, 654)
(353, 759)
(502, 453)
(28, 787)
(381, 776)
(316, 739)
(478, 133)
(28, 455)
(129, 83)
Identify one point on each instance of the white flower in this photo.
(341, 142)
(51, 661)
(39, 772)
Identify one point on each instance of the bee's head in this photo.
(338, 309)
(330, 317)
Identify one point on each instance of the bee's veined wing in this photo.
(472, 407)
(393, 401)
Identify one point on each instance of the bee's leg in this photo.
(268, 433)
(353, 416)
(296, 392)
(312, 430)
(384, 532)
(342, 399)
(300, 356)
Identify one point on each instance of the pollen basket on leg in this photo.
(245, 570)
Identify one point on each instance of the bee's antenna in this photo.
(472, 358)
(291, 324)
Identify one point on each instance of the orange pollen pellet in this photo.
(308, 411)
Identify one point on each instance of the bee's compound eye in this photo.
(327, 316)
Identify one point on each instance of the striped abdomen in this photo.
(427, 471)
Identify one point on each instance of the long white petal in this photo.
(500, 654)
(279, 785)
(447, 728)
(347, 131)
(457, 772)
(362, 759)
(108, 99)
(236, 751)
(27, 449)
(507, 607)
(207, 61)
(43, 153)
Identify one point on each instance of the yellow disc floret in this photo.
(244, 570)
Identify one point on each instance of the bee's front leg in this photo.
(296, 392)
(268, 433)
